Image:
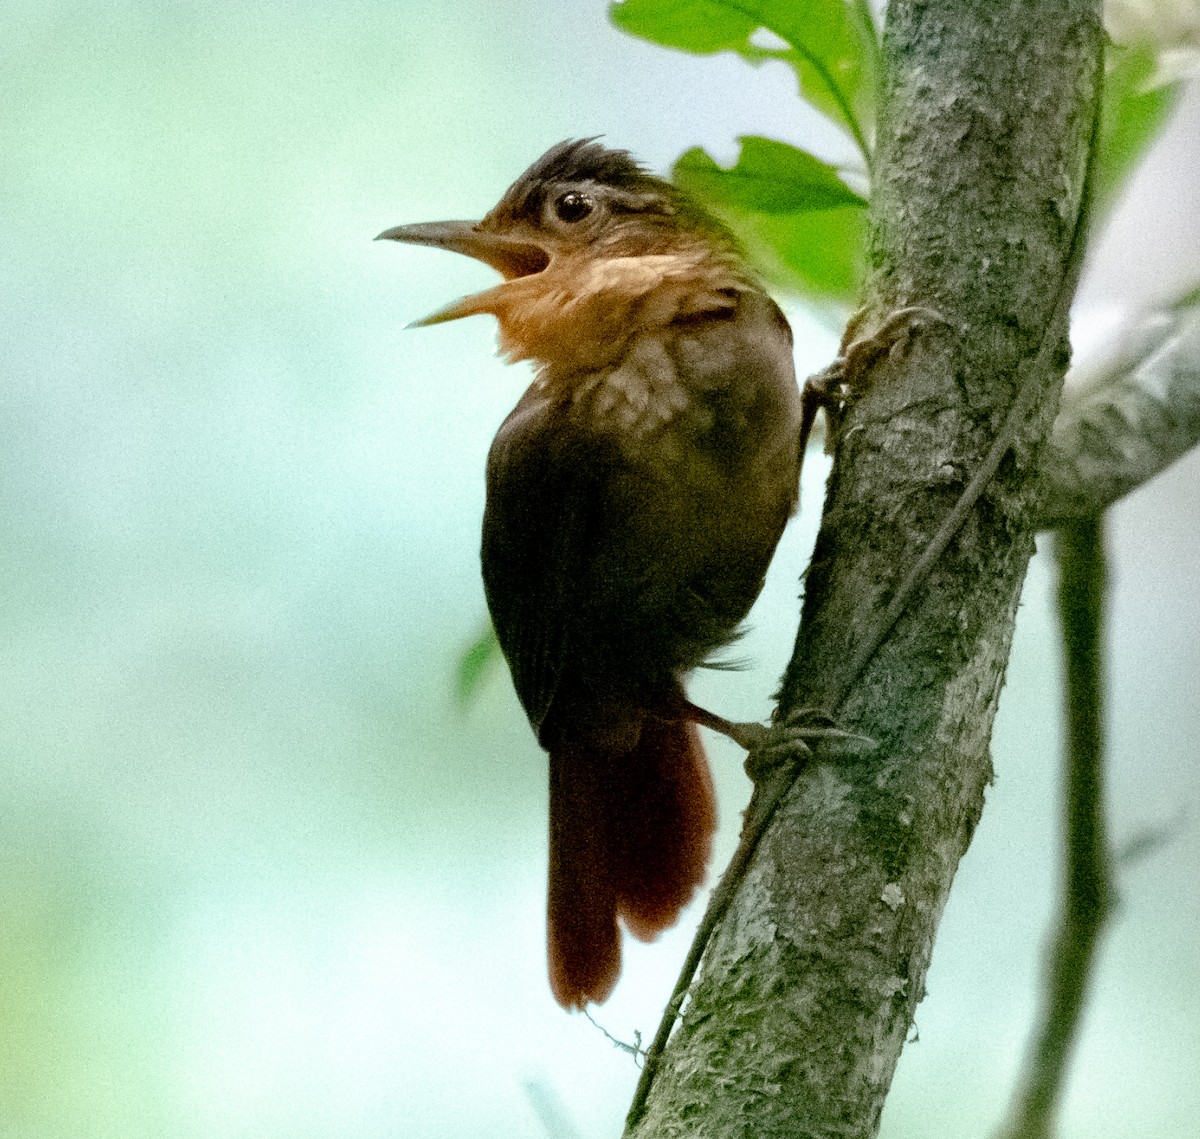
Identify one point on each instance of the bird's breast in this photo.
(642, 403)
(701, 407)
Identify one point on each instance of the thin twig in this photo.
(1088, 895)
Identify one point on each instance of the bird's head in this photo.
(577, 206)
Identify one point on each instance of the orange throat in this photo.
(583, 312)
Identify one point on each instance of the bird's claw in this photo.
(835, 386)
(794, 738)
(859, 354)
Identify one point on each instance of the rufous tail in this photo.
(630, 836)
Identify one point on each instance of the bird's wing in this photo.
(542, 496)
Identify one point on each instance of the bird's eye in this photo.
(573, 206)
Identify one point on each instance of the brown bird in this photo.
(635, 496)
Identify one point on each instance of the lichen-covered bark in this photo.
(809, 987)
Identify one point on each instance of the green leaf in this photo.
(474, 663)
(1134, 113)
(819, 255)
(769, 177)
(803, 224)
(831, 44)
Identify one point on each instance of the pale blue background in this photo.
(259, 876)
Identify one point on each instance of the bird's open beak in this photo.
(512, 256)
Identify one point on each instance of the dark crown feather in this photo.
(586, 160)
(572, 162)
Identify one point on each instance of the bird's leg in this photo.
(770, 746)
(837, 385)
(746, 735)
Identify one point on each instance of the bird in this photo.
(634, 499)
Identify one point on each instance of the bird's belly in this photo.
(682, 553)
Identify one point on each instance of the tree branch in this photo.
(810, 983)
(1088, 892)
(1129, 420)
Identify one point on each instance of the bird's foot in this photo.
(835, 387)
(795, 738)
(859, 354)
(771, 746)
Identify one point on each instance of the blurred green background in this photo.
(259, 874)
